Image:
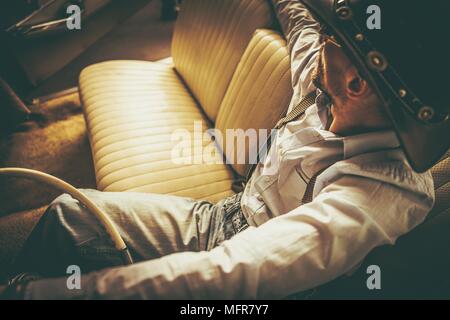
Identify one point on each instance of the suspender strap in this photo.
(239, 184)
(298, 111)
(308, 196)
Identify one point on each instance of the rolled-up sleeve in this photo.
(302, 249)
(302, 35)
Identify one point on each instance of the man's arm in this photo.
(302, 35)
(307, 247)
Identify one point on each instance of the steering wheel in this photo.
(65, 187)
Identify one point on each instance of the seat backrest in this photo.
(258, 95)
(441, 176)
(209, 39)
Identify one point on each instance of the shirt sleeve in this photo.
(302, 34)
(302, 249)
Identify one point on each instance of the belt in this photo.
(234, 220)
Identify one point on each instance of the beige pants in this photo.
(151, 225)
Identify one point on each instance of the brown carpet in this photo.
(14, 230)
(56, 143)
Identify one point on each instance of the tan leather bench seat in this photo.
(218, 75)
(132, 109)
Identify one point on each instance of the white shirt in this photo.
(304, 147)
(368, 196)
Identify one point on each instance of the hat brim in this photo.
(423, 144)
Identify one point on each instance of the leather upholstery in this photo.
(261, 87)
(132, 146)
(132, 108)
(209, 40)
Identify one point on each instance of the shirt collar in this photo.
(369, 142)
(323, 104)
(357, 144)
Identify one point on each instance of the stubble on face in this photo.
(319, 72)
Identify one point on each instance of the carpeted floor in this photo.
(56, 142)
(144, 36)
(14, 230)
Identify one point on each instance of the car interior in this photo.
(97, 107)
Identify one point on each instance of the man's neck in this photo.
(351, 120)
(350, 128)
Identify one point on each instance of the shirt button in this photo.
(259, 197)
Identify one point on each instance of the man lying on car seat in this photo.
(355, 154)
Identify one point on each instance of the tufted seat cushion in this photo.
(209, 40)
(261, 87)
(132, 109)
(135, 109)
